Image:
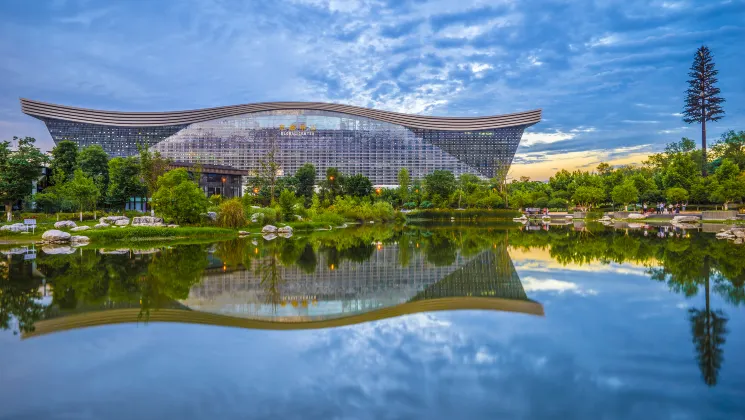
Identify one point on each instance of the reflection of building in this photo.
(351, 288)
(353, 139)
(350, 293)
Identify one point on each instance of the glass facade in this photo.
(326, 139)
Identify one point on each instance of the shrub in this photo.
(268, 215)
(287, 200)
(329, 218)
(425, 205)
(410, 205)
(230, 214)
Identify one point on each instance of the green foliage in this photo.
(625, 193)
(64, 159)
(81, 190)
(124, 181)
(588, 196)
(268, 214)
(362, 210)
(152, 233)
(230, 214)
(731, 146)
(215, 200)
(558, 203)
(306, 179)
(439, 183)
(94, 162)
(425, 205)
(152, 167)
(18, 170)
(179, 198)
(404, 181)
(676, 195)
(287, 201)
(357, 185)
(447, 214)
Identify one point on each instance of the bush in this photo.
(329, 218)
(425, 205)
(230, 214)
(410, 205)
(558, 203)
(268, 215)
(287, 201)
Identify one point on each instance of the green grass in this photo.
(152, 233)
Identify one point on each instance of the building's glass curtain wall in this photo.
(351, 143)
(326, 139)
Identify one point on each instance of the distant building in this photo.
(353, 139)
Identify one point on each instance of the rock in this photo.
(270, 236)
(635, 216)
(243, 233)
(80, 239)
(255, 207)
(299, 218)
(101, 225)
(64, 224)
(113, 219)
(269, 229)
(569, 216)
(685, 219)
(145, 251)
(16, 227)
(58, 249)
(738, 234)
(172, 226)
(284, 229)
(13, 251)
(254, 241)
(257, 217)
(54, 236)
(635, 225)
(738, 241)
(147, 221)
(285, 235)
(80, 228)
(725, 235)
(122, 222)
(212, 215)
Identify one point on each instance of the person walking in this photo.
(684, 206)
(670, 208)
(644, 208)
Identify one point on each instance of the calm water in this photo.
(430, 322)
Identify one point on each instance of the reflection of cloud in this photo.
(532, 284)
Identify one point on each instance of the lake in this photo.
(437, 321)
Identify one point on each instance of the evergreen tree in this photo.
(702, 102)
(306, 179)
(64, 159)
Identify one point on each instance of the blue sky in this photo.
(609, 75)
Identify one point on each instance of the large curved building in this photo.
(354, 139)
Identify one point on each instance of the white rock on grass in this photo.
(54, 236)
(112, 219)
(101, 225)
(122, 222)
(257, 217)
(57, 249)
(685, 219)
(636, 216)
(65, 224)
(284, 229)
(147, 221)
(16, 227)
(270, 236)
(269, 229)
(80, 228)
(243, 233)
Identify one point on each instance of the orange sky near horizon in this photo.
(586, 161)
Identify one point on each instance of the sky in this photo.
(609, 75)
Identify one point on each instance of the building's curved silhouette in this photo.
(347, 294)
(356, 140)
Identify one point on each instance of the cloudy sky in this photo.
(609, 75)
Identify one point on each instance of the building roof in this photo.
(154, 119)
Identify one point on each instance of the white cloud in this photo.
(673, 130)
(532, 284)
(531, 138)
(640, 121)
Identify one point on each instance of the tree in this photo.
(306, 180)
(440, 183)
(81, 190)
(64, 159)
(676, 195)
(331, 185)
(404, 180)
(625, 193)
(729, 185)
(681, 172)
(269, 171)
(357, 185)
(94, 162)
(588, 196)
(702, 102)
(152, 167)
(708, 329)
(18, 171)
(731, 146)
(124, 181)
(287, 200)
(179, 198)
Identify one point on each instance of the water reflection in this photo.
(344, 277)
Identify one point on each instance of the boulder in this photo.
(16, 227)
(58, 249)
(120, 251)
(122, 222)
(725, 235)
(80, 239)
(285, 235)
(212, 215)
(738, 241)
(54, 236)
(13, 251)
(243, 233)
(636, 216)
(113, 219)
(685, 219)
(145, 251)
(80, 228)
(270, 236)
(147, 221)
(172, 226)
(269, 229)
(64, 224)
(284, 229)
(101, 225)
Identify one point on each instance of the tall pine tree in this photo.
(702, 102)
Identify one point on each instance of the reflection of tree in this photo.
(19, 294)
(708, 328)
(268, 270)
